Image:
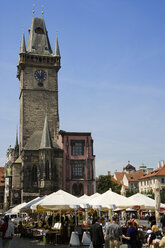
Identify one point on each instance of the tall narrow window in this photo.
(77, 148)
(34, 173)
(47, 170)
(77, 169)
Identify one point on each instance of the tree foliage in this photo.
(162, 196)
(104, 183)
(130, 192)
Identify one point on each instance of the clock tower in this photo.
(46, 159)
(38, 74)
(38, 171)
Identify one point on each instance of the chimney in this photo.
(162, 163)
(159, 165)
(109, 173)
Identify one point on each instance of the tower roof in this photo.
(57, 50)
(129, 167)
(46, 139)
(38, 42)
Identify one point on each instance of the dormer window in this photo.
(39, 30)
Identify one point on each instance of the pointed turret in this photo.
(46, 142)
(16, 148)
(16, 142)
(38, 42)
(23, 45)
(57, 50)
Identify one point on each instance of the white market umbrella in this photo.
(84, 199)
(119, 209)
(94, 195)
(110, 198)
(29, 204)
(145, 200)
(130, 210)
(16, 209)
(57, 201)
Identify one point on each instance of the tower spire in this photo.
(23, 45)
(38, 42)
(46, 138)
(16, 142)
(57, 50)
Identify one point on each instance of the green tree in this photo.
(105, 182)
(130, 192)
(162, 196)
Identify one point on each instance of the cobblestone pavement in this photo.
(28, 243)
(18, 242)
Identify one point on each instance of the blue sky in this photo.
(112, 79)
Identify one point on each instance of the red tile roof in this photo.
(119, 177)
(134, 177)
(158, 172)
(119, 183)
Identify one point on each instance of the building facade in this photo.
(40, 163)
(78, 163)
(129, 177)
(147, 182)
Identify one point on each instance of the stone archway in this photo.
(77, 189)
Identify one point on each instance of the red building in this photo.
(78, 163)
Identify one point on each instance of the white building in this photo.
(147, 182)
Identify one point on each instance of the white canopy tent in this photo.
(28, 205)
(148, 202)
(16, 209)
(84, 199)
(94, 195)
(110, 198)
(57, 201)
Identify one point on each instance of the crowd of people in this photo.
(104, 233)
(112, 235)
(6, 232)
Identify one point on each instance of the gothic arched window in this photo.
(81, 189)
(47, 170)
(78, 189)
(75, 189)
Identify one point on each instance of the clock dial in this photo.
(40, 75)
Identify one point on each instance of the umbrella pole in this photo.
(75, 218)
(53, 219)
(110, 214)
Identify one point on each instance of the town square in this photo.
(82, 158)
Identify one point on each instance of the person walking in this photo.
(131, 236)
(113, 233)
(96, 232)
(7, 230)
